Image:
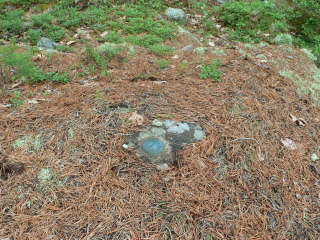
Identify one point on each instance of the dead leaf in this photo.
(137, 118)
(71, 43)
(33, 101)
(16, 85)
(288, 143)
(4, 105)
(298, 121)
(211, 44)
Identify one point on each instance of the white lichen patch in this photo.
(179, 128)
(28, 143)
(45, 175)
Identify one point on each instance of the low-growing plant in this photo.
(56, 33)
(163, 64)
(63, 48)
(41, 20)
(160, 49)
(14, 64)
(12, 22)
(211, 71)
(34, 36)
(92, 56)
(16, 100)
(114, 37)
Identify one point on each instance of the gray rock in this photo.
(188, 48)
(201, 50)
(189, 34)
(221, 1)
(314, 157)
(219, 52)
(261, 56)
(176, 14)
(46, 43)
(158, 144)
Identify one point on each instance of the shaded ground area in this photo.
(240, 182)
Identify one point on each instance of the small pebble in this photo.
(314, 157)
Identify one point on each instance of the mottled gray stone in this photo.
(157, 123)
(219, 52)
(158, 143)
(189, 34)
(314, 157)
(221, 1)
(188, 48)
(176, 14)
(46, 43)
(201, 50)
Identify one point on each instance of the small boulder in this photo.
(46, 43)
(221, 1)
(176, 14)
(158, 143)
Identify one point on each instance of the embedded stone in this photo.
(152, 146)
(46, 43)
(158, 144)
(176, 14)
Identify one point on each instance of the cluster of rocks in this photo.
(159, 142)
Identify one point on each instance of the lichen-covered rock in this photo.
(158, 143)
(46, 43)
(176, 14)
(221, 1)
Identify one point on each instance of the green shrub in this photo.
(248, 20)
(92, 56)
(163, 64)
(114, 37)
(210, 71)
(41, 20)
(11, 59)
(23, 67)
(160, 49)
(12, 22)
(56, 33)
(34, 35)
(16, 101)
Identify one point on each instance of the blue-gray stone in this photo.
(152, 146)
(222, 1)
(47, 43)
(176, 14)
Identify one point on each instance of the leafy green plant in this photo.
(12, 22)
(93, 56)
(211, 71)
(163, 64)
(160, 49)
(56, 33)
(14, 64)
(34, 35)
(16, 101)
(41, 20)
(114, 37)
(63, 48)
